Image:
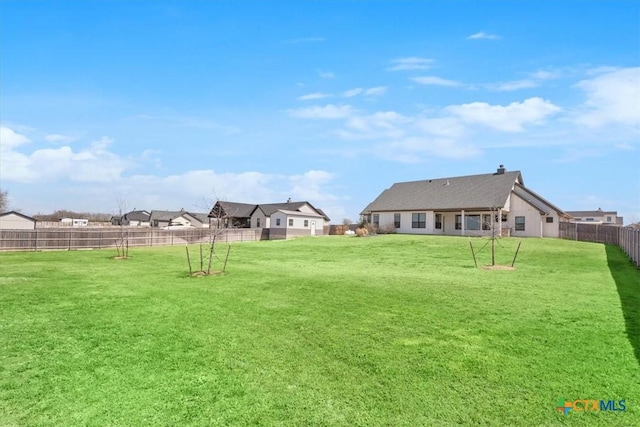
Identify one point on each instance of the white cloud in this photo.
(483, 36)
(611, 97)
(315, 95)
(92, 164)
(10, 139)
(58, 138)
(436, 81)
(379, 125)
(513, 85)
(535, 79)
(328, 111)
(310, 186)
(410, 63)
(326, 74)
(352, 92)
(373, 91)
(547, 74)
(511, 118)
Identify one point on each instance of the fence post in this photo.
(69, 239)
(35, 246)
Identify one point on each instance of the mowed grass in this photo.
(387, 330)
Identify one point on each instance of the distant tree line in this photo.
(63, 213)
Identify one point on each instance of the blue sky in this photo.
(172, 104)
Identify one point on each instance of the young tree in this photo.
(213, 251)
(4, 201)
(122, 241)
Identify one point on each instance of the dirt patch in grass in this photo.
(204, 273)
(498, 267)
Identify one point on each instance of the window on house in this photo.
(438, 224)
(486, 222)
(608, 219)
(376, 220)
(589, 219)
(396, 220)
(519, 223)
(290, 222)
(418, 220)
(306, 222)
(278, 221)
(258, 222)
(471, 222)
(549, 219)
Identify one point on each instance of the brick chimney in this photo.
(501, 170)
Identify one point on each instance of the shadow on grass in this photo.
(627, 279)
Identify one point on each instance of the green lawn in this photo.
(386, 330)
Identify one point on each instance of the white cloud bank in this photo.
(91, 164)
(100, 178)
(612, 97)
(510, 118)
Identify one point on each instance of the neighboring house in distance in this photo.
(232, 215)
(181, 218)
(283, 220)
(291, 219)
(135, 218)
(74, 222)
(596, 217)
(472, 205)
(13, 220)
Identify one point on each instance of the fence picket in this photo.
(628, 238)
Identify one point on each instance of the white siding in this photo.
(533, 226)
(263, 219)
(16, 222)
(274, 220)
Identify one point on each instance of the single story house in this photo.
(474, 205)
(181, 218)
(135, 218)
(596, 217)
(232, 214)
(13, 220)
(74, 222)
(283, 220)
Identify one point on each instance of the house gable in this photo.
(16, 221)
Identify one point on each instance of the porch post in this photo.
(462, 221)
(500, 221)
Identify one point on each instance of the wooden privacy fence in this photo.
(628, 238)
(97, 238)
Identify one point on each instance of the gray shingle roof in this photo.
(591, 213)
(137, 216)
(484, 191)
(270, 208)
(165, 215)
(233, 209)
